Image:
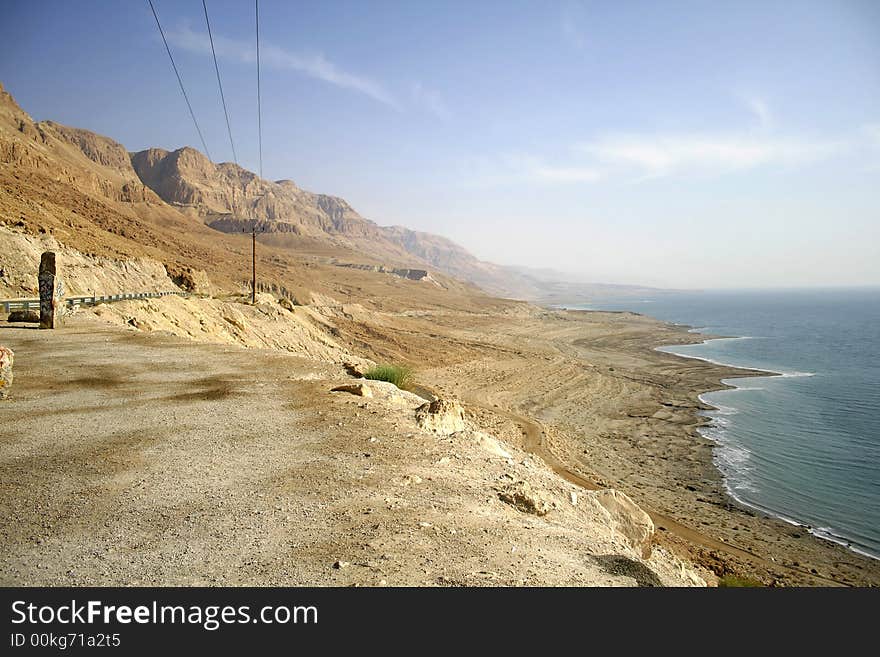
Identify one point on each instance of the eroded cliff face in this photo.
(82, 274)
(233, 195)
(65, 154)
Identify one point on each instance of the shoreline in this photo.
(828, 535)
(619, 413)
(590, 393)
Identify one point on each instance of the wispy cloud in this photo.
(521, 169)
(663, 155)
(761, 111)
(430, 100)
(314, 65)
(637, 157)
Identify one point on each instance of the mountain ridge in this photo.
(227, 198)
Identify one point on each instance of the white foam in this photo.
(733, 459)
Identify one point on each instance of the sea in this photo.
(803, 446)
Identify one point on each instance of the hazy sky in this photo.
(686, 144)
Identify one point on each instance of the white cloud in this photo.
(761, 111)
(314, 65)
(661, 155)
(520, 169)
(430, 100)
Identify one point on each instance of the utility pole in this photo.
(254, 263)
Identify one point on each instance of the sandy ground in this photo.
(135, 459)
(606, 409)
(216, 464)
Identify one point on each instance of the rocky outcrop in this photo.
(410, 274)
(441, 416)
(393, 397)
(6, 359)
(521, 495)
(83, 274)
(628, 519)
(194, 281)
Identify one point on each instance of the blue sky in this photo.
(684, 144)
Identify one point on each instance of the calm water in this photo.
(804, 446)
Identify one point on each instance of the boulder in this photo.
(441, 416)
(31, 316)
(6, 359)
(286, 303)
(359, 389)
(389, 394)
(521, 495)
(194, 281)
(628, 519)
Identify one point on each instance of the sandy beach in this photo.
(606, 409)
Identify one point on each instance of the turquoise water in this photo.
(804, 446)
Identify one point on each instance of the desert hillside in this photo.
(72, 187)
(89, 192)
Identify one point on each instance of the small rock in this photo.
(359, 389)
(340, 564)
(574, 498)
(355, 369)
(6, 359)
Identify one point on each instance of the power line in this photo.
(219, 83)
(179, 81)
(259, 108)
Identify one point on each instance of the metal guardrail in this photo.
(8, 305)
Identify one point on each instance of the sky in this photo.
(672, 144)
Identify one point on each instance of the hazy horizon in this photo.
(675, 145)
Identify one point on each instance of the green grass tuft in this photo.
(735, 581)
(399, 375)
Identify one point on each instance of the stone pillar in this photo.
(51, 292)
(6, 357)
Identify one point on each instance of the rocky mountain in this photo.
(77, 191)
(232, 199)
(109, 194)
